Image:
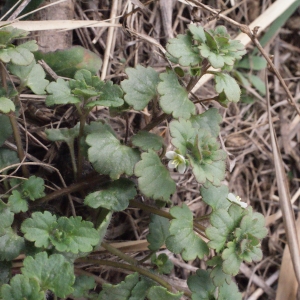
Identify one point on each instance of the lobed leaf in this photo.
(174, 98)
(158, 232)
(146, 140)
(114, 197)
(140, 87)
(6, 105)
(154, 179)
(182, 238)
(159, 292)
(162, 262)
(53, 273)
(226, 83)
(82, 286)
(109, 157)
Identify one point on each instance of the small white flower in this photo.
(177, 161)
(236, 199)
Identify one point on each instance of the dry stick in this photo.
(284, 196)
(109, 40)
(18, 10)
(245, 29)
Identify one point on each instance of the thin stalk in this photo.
(119, 253)
(132, 268)
(80, 155)
(73, 159)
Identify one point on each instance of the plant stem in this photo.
(18, 140)
(132, 268)
(80, 155)
(119, 253)
(73, 159)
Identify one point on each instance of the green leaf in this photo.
(201, 286)
(154, 179)
(215, 59)
(32, 76)
(162, 262)
(146, 140)
(6, 129)
(33, 188)
(66, 62)
(5, 272)
(182, 48)
(63, 134)
(182, 238)
(21, 287)
(183, 134)
(74, 235)
(140, 87)
(232, 261)
(257, 83)
(252, 62)
(108, 156)
(111, 96)
(229, 292)
(174, 98)
(6, 217)
(9, 33)
(208, 121)
(114, 197)
(158, 232)
(6, 105)
(17, 203)
(11, 244)
(61, 93)
(7, 157)
(226, 83)
(82, 286)
(159, 292)
(39, 228)
(216, 197)
(197, 32)
(223, 224)
(121, 291)
(52, 273)
(217, 275)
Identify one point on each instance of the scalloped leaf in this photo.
(158, 232)
(182, 237)
(53, 273)
(208, 121)
(111, 96)
(109, 157)
(224, 82)
(222, 225)
(39, 227)
(140, 87)
(201, 285)
(217, 275)
(63, 134)
(182, 48)
(17, 203)
(61, 93)
(232, 261)
(9, 33)
(6, 105)
(114, 197)
(197, 32)
(131, 288)
(32, 76)
(146, 140)
(159, 292)
(174, 98)
(6, 217)
(229, 291)
(5, 273)
(162, 262)
(21, 287)
(74, 235)
(33, 188)
(154, 179)
(82, 286)
(216, 197)
(11, 245)
(183, 135)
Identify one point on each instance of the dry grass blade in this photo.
(287, 284)
(284, 196)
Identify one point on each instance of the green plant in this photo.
(135, 165)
